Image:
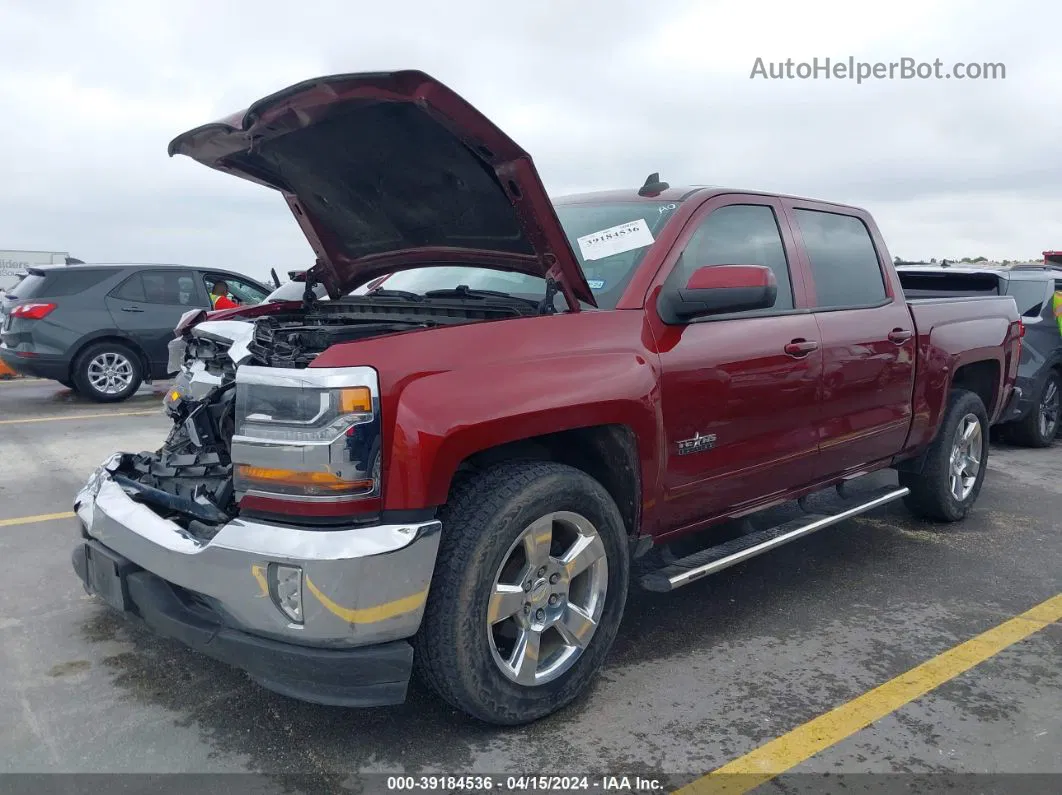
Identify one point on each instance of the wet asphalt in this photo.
(695, 679)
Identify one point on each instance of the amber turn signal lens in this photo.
(319, 481)
(355, 400)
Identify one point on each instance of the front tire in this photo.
(528, 593)
(955, 463)
(107, 372)
(1040, 426)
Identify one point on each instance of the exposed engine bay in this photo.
(189, 480)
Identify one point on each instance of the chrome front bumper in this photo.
(361, 586)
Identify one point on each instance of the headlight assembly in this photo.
(307, 435)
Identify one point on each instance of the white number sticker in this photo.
(615, 240)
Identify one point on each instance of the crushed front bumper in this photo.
(363, 593)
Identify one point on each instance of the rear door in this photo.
(744, 385)
(148, 305)
(867, 336)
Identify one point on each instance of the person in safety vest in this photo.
(1056, 304)
(219, 297)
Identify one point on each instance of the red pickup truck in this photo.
(455, 471)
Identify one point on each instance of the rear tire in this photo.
(498, 586)
(955, 463)
(108, 372)
(1040, 426)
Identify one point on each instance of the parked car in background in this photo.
(103, 329)
(1034, 420)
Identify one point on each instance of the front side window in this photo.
(740, 234)
(844, 262)
(244, 292)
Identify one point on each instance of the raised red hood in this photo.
(387, 171)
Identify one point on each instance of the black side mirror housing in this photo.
(717, 290)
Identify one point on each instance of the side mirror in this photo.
(718, 290)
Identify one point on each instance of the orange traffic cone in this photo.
(6, 372)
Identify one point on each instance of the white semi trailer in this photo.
(13, 263)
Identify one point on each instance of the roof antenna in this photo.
(653, 185)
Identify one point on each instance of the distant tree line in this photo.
(968, 260)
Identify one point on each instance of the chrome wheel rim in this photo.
(1049, 405)
(547, 598)
(110, 373)
(966, 457)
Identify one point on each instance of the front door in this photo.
(739, 392)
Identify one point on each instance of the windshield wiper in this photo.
(383, 292)
(464, 291)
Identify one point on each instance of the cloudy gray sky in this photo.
(600, 93)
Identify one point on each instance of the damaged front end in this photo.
(254, 424)
(189, 480)
(193, 480)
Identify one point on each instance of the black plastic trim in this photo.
(366, 676)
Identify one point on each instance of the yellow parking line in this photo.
(783, 753)
(44, 517)
(83, 416)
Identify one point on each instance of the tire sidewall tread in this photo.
(485, 515)
(931, 496)
(1026, 431)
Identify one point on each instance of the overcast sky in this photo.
(600, 93)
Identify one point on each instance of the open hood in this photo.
(387, 171)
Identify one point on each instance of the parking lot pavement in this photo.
(697, 678)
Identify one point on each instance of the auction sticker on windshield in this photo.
(615, 240)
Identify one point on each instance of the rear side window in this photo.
(52, 284)
(1029, 295)
(27, 288)
(158, 287)
(844, 263)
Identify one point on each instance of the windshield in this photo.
(609, 241)
(293, 290)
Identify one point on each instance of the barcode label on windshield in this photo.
(615, 240)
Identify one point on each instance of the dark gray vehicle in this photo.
(1033, 419)
(102, 330)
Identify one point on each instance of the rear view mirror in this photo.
(717, 290)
